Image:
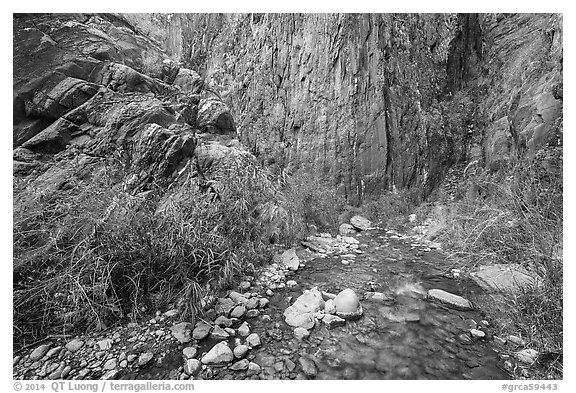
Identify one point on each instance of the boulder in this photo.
(201, 331)
(189, 352)
(301, 313)
(504, 277)
(223, 321)
(240, 365)
(237, 298)
(253, 340)
(301, 333)
(449, 299)
(360, 223)
(319, 244)
(330, 307)
(145, 358)
(224, 306)
(74, 345)
(219, 334)
(244, 330)
(346, 229)
(39, 352)
(332, 321)
(238, 311)
(348, 304)
(220, 353)
(192, 366)
(253, 369)
(240, 351)
(215, 118)
(189, 81)
(289, 259)
(181, 332)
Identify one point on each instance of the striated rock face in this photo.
(349, 97)
(376, 102)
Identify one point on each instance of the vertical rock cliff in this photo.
(376, 102)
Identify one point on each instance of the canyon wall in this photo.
(374, 102)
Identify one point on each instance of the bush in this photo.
(89, 257)
(314, 202)
(390, 209)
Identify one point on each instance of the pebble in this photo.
(301, 333)
(475, 333)
(499, 340)
(252, 313)
(181, 332)
(223, 321)
(240, 365)
(449, 299)
(192, 366)
(219, 334)
(105, 344)
(201, 331)
(16, 360)
(244, 330)
(123, 363)
(290, 365)
(220, 353)
(253, 340)
(110, 364)
(291, 283)
(516, 340)
(269, 292)
(240, 351)
(190, 352)
(253, 303)
(253, 369)
(238, 312)
(66, 371)
(39, 352)
(145, 358)
(308, 366)
(171, 313)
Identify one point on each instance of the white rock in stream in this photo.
(220, 353)
(449, 299)
(348, 304)
(301, 313)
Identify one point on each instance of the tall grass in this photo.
(93, 255)
(517, 217)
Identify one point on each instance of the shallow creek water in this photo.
(404, 337)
